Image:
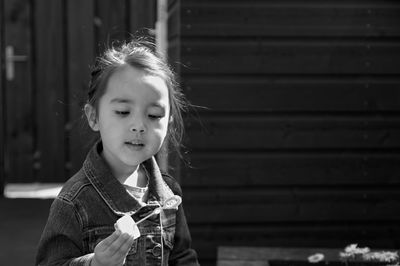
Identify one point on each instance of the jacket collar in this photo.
(113, 192)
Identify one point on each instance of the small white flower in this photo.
(353, 249)
(350, 248)
(383, 256)
(317, 257)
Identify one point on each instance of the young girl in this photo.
(135, 105)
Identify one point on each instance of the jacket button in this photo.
(157, 251)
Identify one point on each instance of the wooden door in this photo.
(18, 127)
(50, 45)
(37, 97)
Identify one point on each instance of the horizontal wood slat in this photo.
(263, 132)
(260, 256)
(290, 57)
(238, 214)
(209, 238)
(294, 232)
(321, 19)
(283, 169)
(297, 195)
(266, 254)
(287, 93)
(294, 205)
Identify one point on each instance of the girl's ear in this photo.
(171, 119)
(91, 117)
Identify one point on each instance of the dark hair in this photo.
(140, 54)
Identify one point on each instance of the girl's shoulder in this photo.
(172, 183)
(74, 185)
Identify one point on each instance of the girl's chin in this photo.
(133, 161)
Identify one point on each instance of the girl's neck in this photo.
(134, 176)
(136, 179)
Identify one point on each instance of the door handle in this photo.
(10, 59)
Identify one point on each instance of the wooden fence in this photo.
(299, 140)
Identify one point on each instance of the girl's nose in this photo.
(138, 130)
(138, 127)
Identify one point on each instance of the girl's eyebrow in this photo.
(157, 105)
(120, 100)
(123, 100)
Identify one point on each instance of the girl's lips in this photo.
(135, 142)
(135, 146)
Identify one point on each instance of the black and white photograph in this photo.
(199, 132)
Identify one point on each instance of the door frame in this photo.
(2, 102)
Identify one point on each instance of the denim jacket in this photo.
(91, 202)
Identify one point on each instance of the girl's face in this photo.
(132, 118)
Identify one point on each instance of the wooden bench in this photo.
(271, 256)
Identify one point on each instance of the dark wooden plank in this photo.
(142, 16)
(290, 234)
(172, 3)
(19, 94)
(293, 93)
(249, 255)
(290, 169)
(174, 19)
(111, 21)
(243, 263)
(81, 55)
(290, 57)
(322, 19)
(262, 132)
(207, 238)
(50, 101)
(260, 205)
(173, 56)
(275, 253)
(2, 100)
(174, 41)
(291, 3)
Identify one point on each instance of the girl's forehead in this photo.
(135, 83)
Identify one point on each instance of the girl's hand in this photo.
(112, 250)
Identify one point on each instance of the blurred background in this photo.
(293, 140)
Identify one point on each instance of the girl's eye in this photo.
(122, 113)
(155, 117)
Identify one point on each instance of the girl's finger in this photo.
(127, 246)
(123, 250)
(117, 248)
(107, 242)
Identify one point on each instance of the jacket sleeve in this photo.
(61, 241)
(182, 254)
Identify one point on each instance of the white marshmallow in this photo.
(126, 224)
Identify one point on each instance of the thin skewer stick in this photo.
(170, 203)
(155, 211)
